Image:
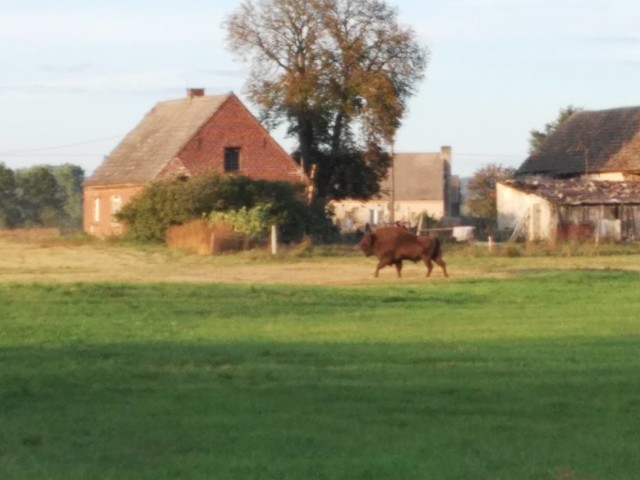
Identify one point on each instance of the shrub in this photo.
(160, 205)
(174, 202)
(252, 222)
(513, 250)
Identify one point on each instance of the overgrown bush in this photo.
(254, 222)
(174, 202)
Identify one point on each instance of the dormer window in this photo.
(231, 159)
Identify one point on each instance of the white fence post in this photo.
(274, 240)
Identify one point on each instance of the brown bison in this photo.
(392, 245)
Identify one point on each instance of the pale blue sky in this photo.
(75, 76)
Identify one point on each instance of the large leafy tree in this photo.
(538, 137)
(481, 189)
(339, 73)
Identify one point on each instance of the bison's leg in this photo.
(427, 262)
(378, 267)
(398, 264)
(443, 265)
(383, 262)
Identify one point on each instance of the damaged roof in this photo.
(579, 191)
(589, 142)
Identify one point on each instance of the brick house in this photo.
(181, 138)
(417, 183)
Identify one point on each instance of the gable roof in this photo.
(576, 191)
(417, 176)
(156, 140)
(589, 142)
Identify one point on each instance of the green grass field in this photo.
(535, 377)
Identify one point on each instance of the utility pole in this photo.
(585, 152)
(392, 202)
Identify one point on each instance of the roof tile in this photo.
(156, 140)
(589, 142)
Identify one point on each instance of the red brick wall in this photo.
(233, 125)
(174, 169)
(105, 225)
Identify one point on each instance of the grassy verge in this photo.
(528, 378)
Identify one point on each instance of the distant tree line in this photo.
(42, 196)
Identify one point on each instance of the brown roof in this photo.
(156, 140)
(575, 191)
(417, 176)
(590, 142)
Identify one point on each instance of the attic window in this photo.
(231, 159)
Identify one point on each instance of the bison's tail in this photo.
(437, 249)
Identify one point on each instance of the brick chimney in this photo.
(445, 153)
(195, 92)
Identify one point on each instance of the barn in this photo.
(582, 183)
(182, 138)
(572, 209)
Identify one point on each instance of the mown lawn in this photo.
(536, 377)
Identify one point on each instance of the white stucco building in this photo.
(417, 183)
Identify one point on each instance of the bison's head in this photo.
(366, 244)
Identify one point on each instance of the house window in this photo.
(116, 205)
(96, 210)
(376, 217)
(231, 159)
